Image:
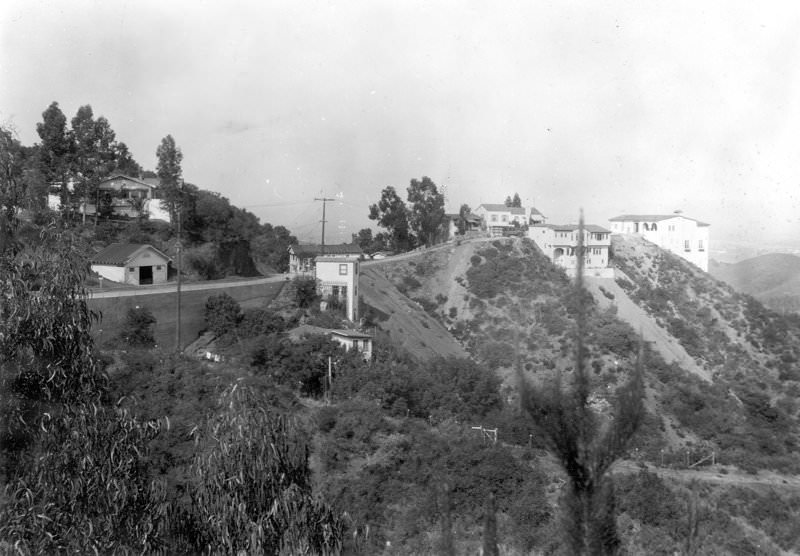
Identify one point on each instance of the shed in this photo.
(131, 263)
(353, 339)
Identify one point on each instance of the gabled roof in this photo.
(309, 251)
(151, 185)
(651, 218)
(118, 254)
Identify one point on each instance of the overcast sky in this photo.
(610, 106)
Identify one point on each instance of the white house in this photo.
(559, 243)
(129, 263)
(301, 257)
(683, 236)
(127, 194)
(353, 339)
(498, 219)
(338, 277)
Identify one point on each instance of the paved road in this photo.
(187, 287)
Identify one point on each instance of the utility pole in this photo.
(178, 306)
(324, 200)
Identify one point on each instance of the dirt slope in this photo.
(407, 323)
(643, 323)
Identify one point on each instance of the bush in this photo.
(222, 314)
(305, 291)
(137, 330)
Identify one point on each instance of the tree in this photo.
(584, 445)
(93, 156)
(271, 246)
(12, 184)
(124, 162)
(223, 314)
(515, 202)
(463, 213)
(427, 210)
(55, 149)
(391, 213)
(169, 173)
(253, 492)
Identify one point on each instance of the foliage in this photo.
(392, 214)
(271, 246)
(138, 327)
(222, 314)
(305, 291)
(253, 485)
(169, 172)
(85, 487)
(426, 214)
(515, 202)
(260, 322)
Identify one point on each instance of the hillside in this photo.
(773, 279)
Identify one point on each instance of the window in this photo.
(343, 269)
(159, 267)
(686, 246)
(493, 218)
(653, 227)
(700, 245)
(355, 345)
(505, 218)
(132, 269)
(335, 291)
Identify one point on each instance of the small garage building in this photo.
(131, 263)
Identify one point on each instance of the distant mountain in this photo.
(774, 279)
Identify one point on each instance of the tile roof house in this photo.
(131, 263)
(683, 236)
(559, 243)
(301, 257)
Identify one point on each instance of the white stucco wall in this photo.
(679, 235)
(549, 240)
(115, 273)
(340, 272)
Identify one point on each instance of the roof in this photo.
(150, 185)
(350, 334)
(591, 228)
(322, 259)
(118, 254)
(310, 251)
(503, 208)
(652, 218)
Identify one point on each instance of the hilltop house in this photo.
(132, 196)
(499, 219)
(130, 263)
(472, 223)
(301, 257)
(683, 236)
(559, 243)
(337, 278)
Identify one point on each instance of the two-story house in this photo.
(681, 235)
(559, 242)
(499, 219)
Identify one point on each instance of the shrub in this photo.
(222, 314)
(137, 330)
(305, 291)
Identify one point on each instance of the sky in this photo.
(613, 107)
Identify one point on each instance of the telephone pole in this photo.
(324, 200)
(178, 288)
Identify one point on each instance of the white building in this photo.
(301, 257)
(353, 339)
(338, 277)
(130, 263)
(498, 219)
(683, 236)
(559, 243)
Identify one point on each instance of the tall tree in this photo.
(169, 173)
(93, 156)
(12, 186)
(426, 216)
(463, 213)
(584, 445)
(392, 214)
(55, 149)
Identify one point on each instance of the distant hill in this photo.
(773, 279)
